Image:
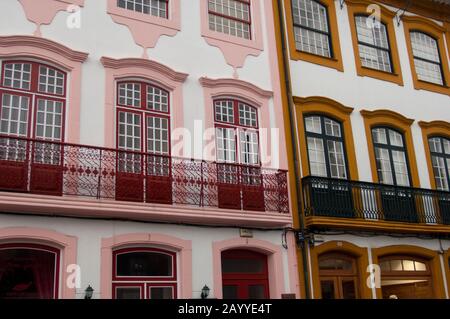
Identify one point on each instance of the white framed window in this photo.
(232, 17)
(157, 8)
(311, 30)
(51, 81)
(426, 58)
(373, 44)
(17, 75)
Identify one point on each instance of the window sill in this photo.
(380, 75)
(428, 86)
(332, 62)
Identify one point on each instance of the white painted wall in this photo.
(371, 94)
(89, 234)
(100, 36)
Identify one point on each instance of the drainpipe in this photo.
(293, 135)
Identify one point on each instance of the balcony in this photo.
(343, 203)
(66, 170)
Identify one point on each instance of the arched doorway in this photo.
(338, 276)
(244, 275)
(406, 277)
(29, 271)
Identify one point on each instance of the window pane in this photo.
(313, 124)
(230, 292)
(249, 148)
(156, 8)
(224, 111)
(27, 274)
(440, 173)
(242, 265)
(161, 293)
(401, 168)
(256, 292)
(335, 264)
(327, 287)
(435, 145)
(157, 135)
(130, 94)
(332, 128)
(348, 289)
(230, 17)
(426, 58)
(128, 293)
(17, 75)
(317, 157)
(379, 136)
(144, 264)
(395, 138)
(384, 166)
(312, 15)
(51, 81)
(157, 99)
(14, 115)
(336, 159)
(226, 145)
(247, 115)
(375, 35)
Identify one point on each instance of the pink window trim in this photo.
(150, 71)
(274, 261)
(66, 244)
(145, 28)
(43, 12)
(235, 49)
(182, 247)
(62, 57)
(239, 90)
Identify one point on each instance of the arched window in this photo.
(440, 158)
(157, 8)
(29, 271)
(326, 149)
(327, 159)
(393, 169)
(244, 275)
(143, 125)
(144, 273)
(373, 43)
(237, 148)
(338, 276)
(311, 29)
(33, 103)
(405, 277)
(391, 158)
(427, 58)
(231, 17)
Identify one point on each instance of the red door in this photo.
(244, 275)
(228, 186)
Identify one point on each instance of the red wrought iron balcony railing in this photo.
(57, 169)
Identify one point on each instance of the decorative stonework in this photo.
(234, 49)
(65, 58)
(43, 12)
(145, 28)
(159, 74)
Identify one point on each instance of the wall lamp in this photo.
(205, 292)
(88, 292)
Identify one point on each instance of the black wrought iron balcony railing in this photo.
(325, 197)
(51, 168)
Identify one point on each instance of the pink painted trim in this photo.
(145, 28)
(152, 71)
(22, 47)
(86, 207)
(44, 11)
(274, 260)
(235, 49)
(240, 90)
(183, 247)
(67, 245)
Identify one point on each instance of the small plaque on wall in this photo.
(246, 233)
(287, 296)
